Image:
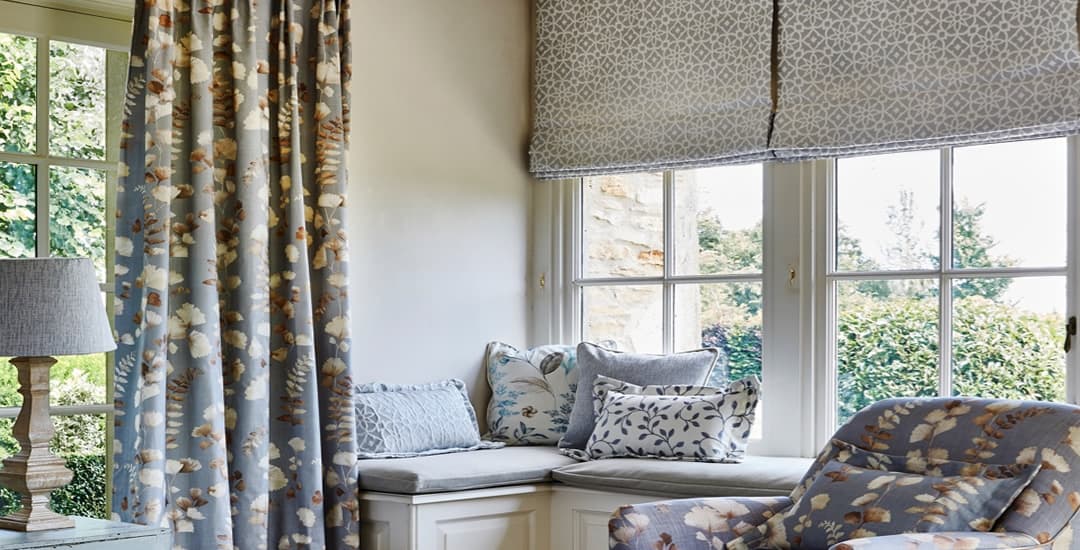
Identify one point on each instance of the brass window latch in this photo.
(1070, 332)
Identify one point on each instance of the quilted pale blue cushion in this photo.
(398, 421)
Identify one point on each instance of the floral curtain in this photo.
(234, 420)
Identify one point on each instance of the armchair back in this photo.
(983, 431)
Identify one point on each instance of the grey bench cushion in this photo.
(461, 471)
(756, 476)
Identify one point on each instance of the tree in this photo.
(887, 334)
(850, 257)
(727, 251)
(77, 124)
(972, 248)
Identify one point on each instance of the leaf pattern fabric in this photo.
(690, 523)
(846, 502)
(532, 392)
(693, 423)
(995, 440)
(234, 413)
(944, 541)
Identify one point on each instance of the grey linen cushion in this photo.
(691, 367)
(756, 476)
(462, 471)
(397, 421)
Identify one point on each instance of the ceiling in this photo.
(116, 9)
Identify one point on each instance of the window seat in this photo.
(461, 471)
(757, 476)
(534, 498)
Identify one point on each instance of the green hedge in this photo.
(889, 348)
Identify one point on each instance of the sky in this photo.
(1023, 186)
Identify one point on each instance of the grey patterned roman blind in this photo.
(632, 85)
(858, 76)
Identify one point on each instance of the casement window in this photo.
(944, 272)
(62, 80)
(949, 272)
(672, 261)
(678, 260)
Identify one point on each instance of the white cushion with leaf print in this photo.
(532, 392)
(677, 422)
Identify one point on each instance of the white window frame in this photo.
(823, 182)
(45, 25)
(798, 354)
(558, 271)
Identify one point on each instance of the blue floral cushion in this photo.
(693, 423)
(398, 421)
(847, 502)
(532, 392)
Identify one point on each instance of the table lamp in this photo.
(52, 307)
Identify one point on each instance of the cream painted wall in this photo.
(440, 197)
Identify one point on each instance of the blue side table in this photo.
(90, 534)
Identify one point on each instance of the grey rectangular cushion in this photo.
(757, 476)
(461, 471)
(688, 367)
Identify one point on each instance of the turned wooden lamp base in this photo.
(35, 471)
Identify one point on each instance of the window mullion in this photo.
(945, 297)
(669, 262)
(577, 255)
(41, 183)
(827, 399)
(1072, 359)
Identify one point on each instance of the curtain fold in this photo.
(859, 76)
(636, 85)
(234, 420)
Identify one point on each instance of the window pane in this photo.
(887, 212)
(18, 231)
(77, 214)
(887, 342)
(18, 93)
(80, 440)
(75, 380)
(628, 317)
(997, 186)
(1008, 337)
(78, 380)
(623, 225)
(718, 214)
(76, 101)
(725, 316)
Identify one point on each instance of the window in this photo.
(944, 272)
(947, 273)
(61, 93)
(672, 261)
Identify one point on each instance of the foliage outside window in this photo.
(57, 100)
(962, 298)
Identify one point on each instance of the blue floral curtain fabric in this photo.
(234, 418)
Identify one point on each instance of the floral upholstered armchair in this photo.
(922, 461)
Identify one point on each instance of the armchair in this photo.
(958, 429)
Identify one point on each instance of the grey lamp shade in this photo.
(52, 306)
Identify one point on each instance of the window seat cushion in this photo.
(756, 476)
(461, 471)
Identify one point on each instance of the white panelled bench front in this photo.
(533, 498)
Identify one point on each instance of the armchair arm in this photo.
(688, 523)
(944, 541)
